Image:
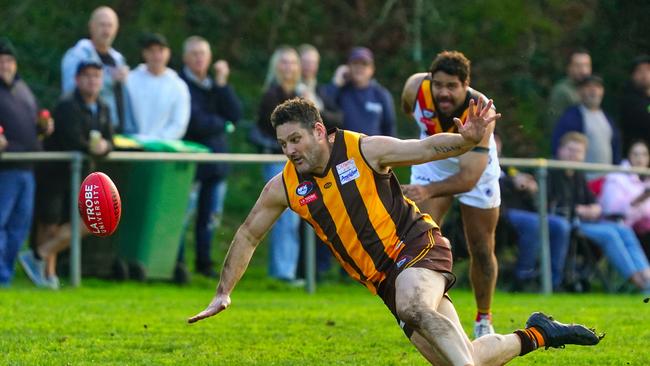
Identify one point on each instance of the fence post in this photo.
(545, 262)
(75, 245)
(310, 259)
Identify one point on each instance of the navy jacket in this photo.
(369, 111)
(18, 112)
(210, 110)
(572, 120)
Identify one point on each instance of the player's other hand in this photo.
(477, 121)
(416, 192)
(218, 304)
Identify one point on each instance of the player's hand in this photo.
(218, 304)
(221, 72)
(416, 192)
(477, 121)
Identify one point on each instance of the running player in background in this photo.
(435, 99)
(342, 184)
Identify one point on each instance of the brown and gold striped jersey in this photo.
(360, 214)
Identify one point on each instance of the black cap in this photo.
(639, 60)
(151, 39)
(86, 64)
(6, 47)
(591, 79)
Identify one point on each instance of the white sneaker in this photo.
(35, 268)
(483, 327)
(53, 282)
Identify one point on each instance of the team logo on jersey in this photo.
(304, 188)
(347, 171)
(428, 113)
(403, 260)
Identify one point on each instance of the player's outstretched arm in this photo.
(271, 203)
(471, 167)
(383, 152)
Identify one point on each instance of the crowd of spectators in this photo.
(101, 96)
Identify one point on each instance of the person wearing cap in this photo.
(564, 93)
(635, 103)
(589, 118)
(103, 26)
(215, 110)
(82, 123)
(367, 106)
(159, 98)
(18, 133)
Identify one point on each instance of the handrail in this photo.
(75, 158)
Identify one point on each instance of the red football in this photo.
(99, 204)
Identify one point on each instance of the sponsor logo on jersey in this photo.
(308, 199)
(328, 184)
(304, 188)
(347, 171)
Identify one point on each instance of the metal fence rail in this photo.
(76, 159)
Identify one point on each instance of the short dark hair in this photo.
(577, 51)
(639, 60)
(452, 63)
(298, 110)
(86, 64)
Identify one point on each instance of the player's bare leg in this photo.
(436, 207)
(418, 294)
(440, 338)
(480, 226)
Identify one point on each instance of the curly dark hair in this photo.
(452, 63)
(296, 110)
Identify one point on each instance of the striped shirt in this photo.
(360, 214)
(429, 120)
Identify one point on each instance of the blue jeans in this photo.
(526, 224)
(206, 199)
(619, 244)
(16, 209)
(285, 237)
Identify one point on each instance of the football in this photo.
(99, 204)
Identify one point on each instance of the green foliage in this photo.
(518, 49)
(270, 324)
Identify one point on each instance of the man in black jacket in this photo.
(214, 110)
(82, 123)
(635, 104)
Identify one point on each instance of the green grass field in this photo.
(107, 323)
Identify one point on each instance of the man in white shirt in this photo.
(160, 100)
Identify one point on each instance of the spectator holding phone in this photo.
(367, 106)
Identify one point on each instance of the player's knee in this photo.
(414, 313)
(482, 254)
